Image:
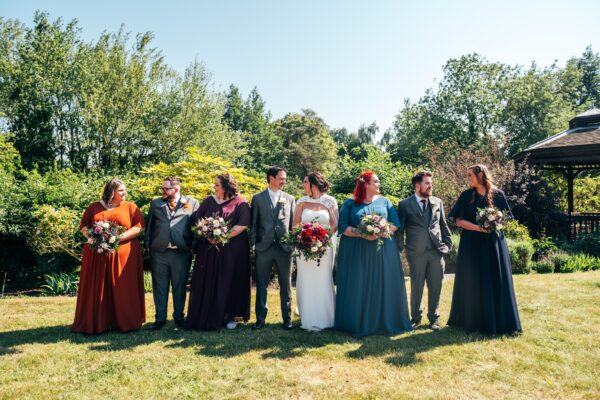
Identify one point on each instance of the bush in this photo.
(197, 173)
(543, 246)
(543, 266)
(514, 230)
(61, 284)
(583, 262)
(562, 262)
(520, 256)
(588, 243)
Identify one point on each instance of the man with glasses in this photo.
(169, 241)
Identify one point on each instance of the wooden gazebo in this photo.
(571, 152)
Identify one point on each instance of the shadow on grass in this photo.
(404, 350)
(272, 341)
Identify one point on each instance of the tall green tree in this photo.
(39, 88)
(306, 142)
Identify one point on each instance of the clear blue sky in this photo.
(352, 62)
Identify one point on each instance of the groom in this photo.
(427, 240)
(272, 216)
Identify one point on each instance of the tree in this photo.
(39, 76)
(233, 115)
(534, 109)
(306, 142)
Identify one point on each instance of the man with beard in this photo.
(425, 236)
(169, 241)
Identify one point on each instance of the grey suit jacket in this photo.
(269, 223)
(164, 226)
(422, 233)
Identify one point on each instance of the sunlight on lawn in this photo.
(556, 357)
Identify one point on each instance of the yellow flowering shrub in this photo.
(197, 173)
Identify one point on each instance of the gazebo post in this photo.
(570, 179)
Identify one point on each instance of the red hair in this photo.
(360, 191)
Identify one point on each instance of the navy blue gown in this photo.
(371, 297)
(484, 297)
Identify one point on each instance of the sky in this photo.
(353, 62)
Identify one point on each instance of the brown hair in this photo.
(418, 177)
(486, 181)
(317, 179)
(109, 190)
(174, 180)
(273, 171)
(229, 185)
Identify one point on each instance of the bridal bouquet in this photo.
(214, 229)
(104, 236)
(310, 240)
(490, 218)
(376, 225)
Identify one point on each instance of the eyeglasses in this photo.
(166, 189)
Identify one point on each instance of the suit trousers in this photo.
(427, 266)
(169, 267)
(264, 264)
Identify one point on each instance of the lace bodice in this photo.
(321, 216)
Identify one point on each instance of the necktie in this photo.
(424, 204)
(172, 204)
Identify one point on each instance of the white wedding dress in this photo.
(315, 295)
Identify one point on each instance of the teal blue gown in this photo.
(371, 296)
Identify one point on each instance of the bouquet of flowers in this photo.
(311, 240)
(214, 229)
(375, 224)
(490, 218)
(104, 236)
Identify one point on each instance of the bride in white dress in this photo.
(315, 295)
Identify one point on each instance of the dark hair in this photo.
(174, 180)
(273, 171)
(360, 190)
(229, 185)
(109, 189)
(317, 179)
(418, 177)
(486, 181)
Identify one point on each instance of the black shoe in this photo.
(259, 325)
(180, 322)
(157, 325)
(434, 326)
(287, 325)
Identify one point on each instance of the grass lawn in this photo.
(558, 355)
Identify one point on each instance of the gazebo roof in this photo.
(578, 145)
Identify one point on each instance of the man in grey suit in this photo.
(428, 238)
(272, 217)
(169, 239)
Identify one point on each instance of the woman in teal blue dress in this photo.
(371, 296)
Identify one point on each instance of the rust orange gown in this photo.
(111, 285)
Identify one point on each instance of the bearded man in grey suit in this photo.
(169, 240)
(425, 236)
(272, 217)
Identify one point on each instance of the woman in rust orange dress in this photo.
(111, 285)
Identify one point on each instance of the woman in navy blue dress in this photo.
(371, 297)
(484, 297)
